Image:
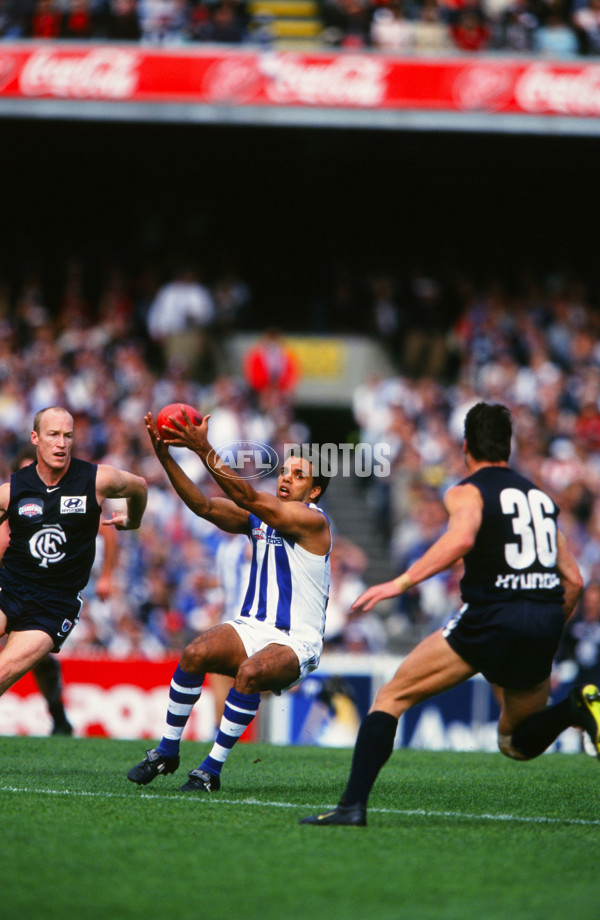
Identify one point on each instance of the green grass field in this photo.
(450, 836)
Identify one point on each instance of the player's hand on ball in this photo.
(173, 420)
(160, 448)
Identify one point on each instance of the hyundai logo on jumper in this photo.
(247, 459)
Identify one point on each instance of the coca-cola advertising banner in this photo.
(115, 698)
(284, 79)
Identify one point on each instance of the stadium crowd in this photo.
(556, 28)
(535, 348)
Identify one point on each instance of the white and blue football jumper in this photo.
(288, 587)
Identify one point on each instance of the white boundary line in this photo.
(408, 813)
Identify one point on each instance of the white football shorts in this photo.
(256, 635)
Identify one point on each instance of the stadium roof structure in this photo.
(364, 90)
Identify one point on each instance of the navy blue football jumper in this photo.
(52, 547)
(53, 529)
(512, 618)
(515, 550)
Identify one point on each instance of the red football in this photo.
(174, 409)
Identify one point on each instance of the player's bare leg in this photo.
(528, 727)
(515, 707)
(273, 668)
(21, 652)
(430, 668)
(219, 650)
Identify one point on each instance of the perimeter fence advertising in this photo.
(218, 79)
(127, 698)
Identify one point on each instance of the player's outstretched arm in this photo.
(195, 438)
(375, 594)
(222, 512)
(294, 518)
(464, 506)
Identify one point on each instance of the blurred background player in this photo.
(232, 566)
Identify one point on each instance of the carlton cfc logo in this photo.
(45, 545)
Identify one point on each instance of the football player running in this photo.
(520, 586)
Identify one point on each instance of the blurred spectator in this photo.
(233, 299)
(426, 521)
(586, 20)
(517, 28)
(199, 21)
(345, 631)
(587, 425)
(430, 29)
(581, 641)
(555, 36)
(469, 29)
(424, 351)
(15, 16)
(391, 30)
(123, 22)
(227, 24)
(116, 309)
(271, 370)
(77, 21)
(162, 21)
(341, 306)
(179, 319)
(388, 320)
(346, 23)
(127, 637)
(47, 19)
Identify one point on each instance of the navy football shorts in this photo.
(28, 607)
(512, 644)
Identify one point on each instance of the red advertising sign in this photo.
(326, 80)
(111, 698)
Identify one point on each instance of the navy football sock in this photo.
(537, 732)
(374, 745)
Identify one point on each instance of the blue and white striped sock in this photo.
(240, 709)
(184, 692)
